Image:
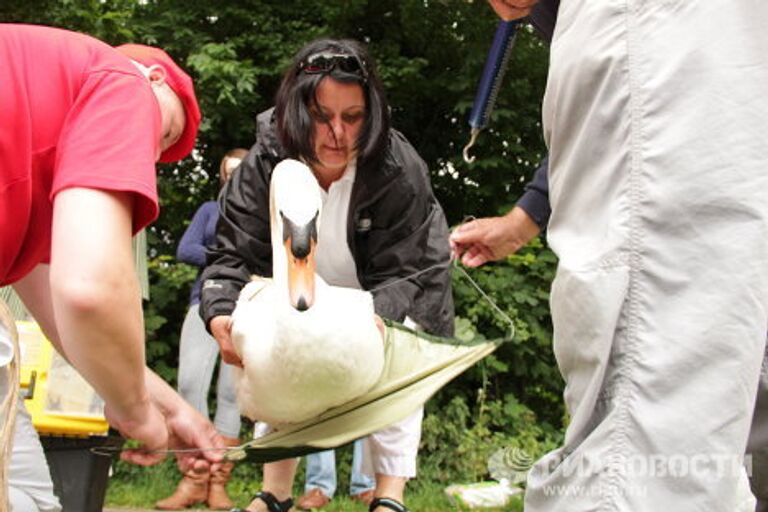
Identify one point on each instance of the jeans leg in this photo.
(359, 482)
(321, 472)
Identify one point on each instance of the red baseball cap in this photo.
(181, 83)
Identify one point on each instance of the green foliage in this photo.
(525, 366)
(511, 399)
(430, 55)
(458, 442)
(109, 21)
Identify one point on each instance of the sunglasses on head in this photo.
(325, 62)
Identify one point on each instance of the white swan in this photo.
(306, 346)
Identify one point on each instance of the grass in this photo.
(133, 486)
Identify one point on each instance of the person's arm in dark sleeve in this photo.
(535, 199)
(543, 17)
(242, 249)
(492, 238)
(192, 249)
(242, 245)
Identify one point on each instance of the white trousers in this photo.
(392, 450)
(656, 117)
(30, 488)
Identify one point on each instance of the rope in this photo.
(455, 262)
(410, 276)
(231, 453)
(488, 299)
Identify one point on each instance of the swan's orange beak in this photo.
(300, 244)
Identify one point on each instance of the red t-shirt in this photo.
(73, 113)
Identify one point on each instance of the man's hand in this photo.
(189, 429)
(171, 424)
(221, 328)
(186, 430)
(146, 424)
(492, 238)
(509, 10)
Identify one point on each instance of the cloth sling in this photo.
(416, 366)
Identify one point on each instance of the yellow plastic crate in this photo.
(59, 400)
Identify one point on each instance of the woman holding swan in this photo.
(380, 223)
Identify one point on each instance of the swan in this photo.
(306, 346)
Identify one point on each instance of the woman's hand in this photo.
(221, 328)
(380, 325)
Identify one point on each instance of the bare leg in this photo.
(388, 486)
(278, 479)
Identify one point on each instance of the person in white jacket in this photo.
(655, 121)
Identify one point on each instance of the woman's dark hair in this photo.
(298, 94)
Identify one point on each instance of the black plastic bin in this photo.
(79, 475)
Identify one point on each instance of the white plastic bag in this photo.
(483, 494)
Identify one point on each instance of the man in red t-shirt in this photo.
(82, 127)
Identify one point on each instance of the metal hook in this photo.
(472, 139)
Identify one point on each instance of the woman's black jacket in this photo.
(395, 228)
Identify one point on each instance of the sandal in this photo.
(387, 503)
(273, 505)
